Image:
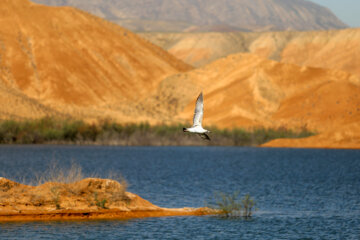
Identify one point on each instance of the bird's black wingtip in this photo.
(204, 136)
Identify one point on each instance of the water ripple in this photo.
(301, 193)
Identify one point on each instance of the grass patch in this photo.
(68, 131)
(57, 174)
(66, 187)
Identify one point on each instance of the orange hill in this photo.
(16, 105)
(247, 90)
(253, 91)
(336, 49)
(74, 62)
(60, 61)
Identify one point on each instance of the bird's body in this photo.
(197, 121)
(196, 129)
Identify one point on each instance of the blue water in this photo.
(300, 193)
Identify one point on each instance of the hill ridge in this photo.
(210, 15)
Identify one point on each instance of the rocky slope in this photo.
(325, 49)
(209, 15)
(72, 62)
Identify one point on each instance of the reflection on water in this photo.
(301, 193)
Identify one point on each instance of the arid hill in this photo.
(60, 59)
(209, 15)
(326, 49)
(326, 101)
(16, 105)
(247, 90)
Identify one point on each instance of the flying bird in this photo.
(198, 117)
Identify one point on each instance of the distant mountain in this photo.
(333, 49)
(209, 15)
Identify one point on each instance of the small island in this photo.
(89, 198)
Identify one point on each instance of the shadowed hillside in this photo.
(76, 63)
(209, 15)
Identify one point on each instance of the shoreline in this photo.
(266, 145)
(105, 214)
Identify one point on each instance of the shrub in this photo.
(247, 204)
(100, 204)
(58, 174)
(49, 130)
(229, 205)
(55, 195)
(70, 130)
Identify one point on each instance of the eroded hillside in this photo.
(325, 49)
(62, 62)
(321, 70)
(247, 90)
(77, 63)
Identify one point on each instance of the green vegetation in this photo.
(100, 204)
(55, 194)
(49, 130)
(229, 205)
(60, 186)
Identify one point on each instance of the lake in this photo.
(300, 193)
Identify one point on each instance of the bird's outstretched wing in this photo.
(199, 111)
(204, 136)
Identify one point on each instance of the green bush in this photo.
(230, 205)
(50, 130)
(100, 204)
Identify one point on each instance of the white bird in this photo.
(198, 116)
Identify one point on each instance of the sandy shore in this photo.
(110, 214)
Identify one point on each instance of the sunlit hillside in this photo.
(76, 63)
(336, 49)
(65, 63)
(247, 90)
